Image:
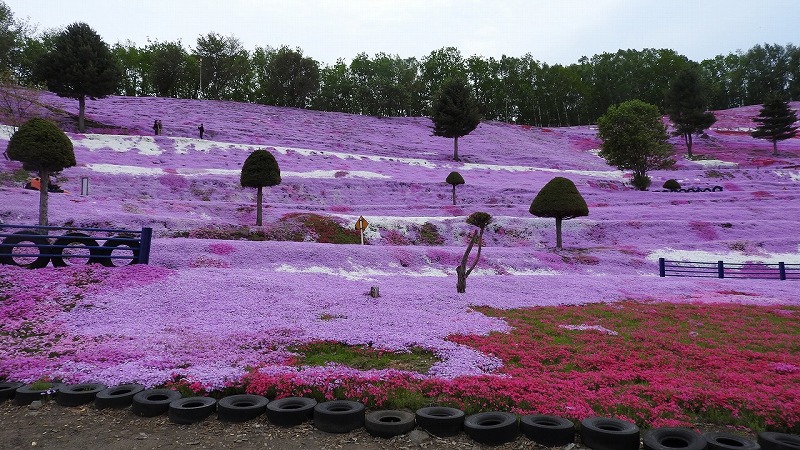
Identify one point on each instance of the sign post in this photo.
(361, 225)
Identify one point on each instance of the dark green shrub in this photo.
(672, 185)
(641, 182)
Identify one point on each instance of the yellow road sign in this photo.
(361, 223)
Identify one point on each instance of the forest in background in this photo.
(517, 89)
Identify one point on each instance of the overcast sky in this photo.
(553, 31)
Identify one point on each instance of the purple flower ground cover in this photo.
(210, 310)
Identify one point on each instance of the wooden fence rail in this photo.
(721, 269)
(36, 246)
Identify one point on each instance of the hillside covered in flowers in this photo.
(226, 304)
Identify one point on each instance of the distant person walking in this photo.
(202, 130)
(155, 127)
(160, 127)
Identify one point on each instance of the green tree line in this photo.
(511, 89)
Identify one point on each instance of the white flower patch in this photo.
(714, 163)
(610, 174)
(146, 145)
(732, 257)
(793, 174)
(116, 169)
(356, 156)
(584, 327)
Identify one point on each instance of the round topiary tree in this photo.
(559, 198)
(260, 169)
(672, 185)
(454, 179)
(41, 146)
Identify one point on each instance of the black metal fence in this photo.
(721, 269)
(36, 246)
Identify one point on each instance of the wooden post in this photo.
(720, 269)
(782, 270)
(662, 269)
(144, 245)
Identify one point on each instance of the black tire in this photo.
(605, 433)
(7, 390)
(550, 431)
(769, 440)
(671, 438)
(191, 410)
(682, 190)
(440, 421)
(153, 402)
(117, 397)
(389, 423)
(241, 408)
(25, 395)
(339, 416)
(105, 253)
(71, 239)
(716, 189)
(492, 428)
(706, 189)
(290, 411)
(39, 243)
(727, 441)
(78, 394)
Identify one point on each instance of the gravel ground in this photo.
(56, 427)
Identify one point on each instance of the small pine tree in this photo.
(686, 106)
(260, 169)
(41, 146)
(559, 198)
(480, 220)
(776, 122)
(454, 179)
(455, 112)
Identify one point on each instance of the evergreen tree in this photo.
(560, 199)
(454, 179)
(41, 146)
(634, 138)
(80, 65)
(686, 106)
(455, 112)
(775, 122)
(260, 169)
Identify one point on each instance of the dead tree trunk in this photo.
(461, 270)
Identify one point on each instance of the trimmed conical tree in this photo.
(559, 198)
(41, 146)
(454, 179)
(260, 169)
(455, 112)
(775, 122)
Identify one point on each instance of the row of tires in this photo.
(342, 416)
(691, 189)
(39, 251)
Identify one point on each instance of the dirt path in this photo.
(57, 427)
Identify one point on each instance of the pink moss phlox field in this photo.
(214, 310)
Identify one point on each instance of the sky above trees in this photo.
(553, 31)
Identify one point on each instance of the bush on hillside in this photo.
(672, 185)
